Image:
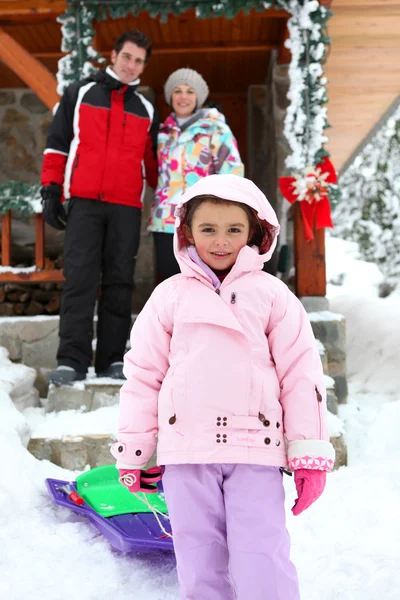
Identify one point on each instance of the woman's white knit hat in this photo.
(187, 77)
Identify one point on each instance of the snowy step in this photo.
(73, 439)
(74, 452)
(90, 394)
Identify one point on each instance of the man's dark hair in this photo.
(136, 37)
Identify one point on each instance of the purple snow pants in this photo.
(229, 532)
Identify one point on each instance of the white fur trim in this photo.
(311, 448)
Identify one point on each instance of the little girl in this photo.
(225, 370)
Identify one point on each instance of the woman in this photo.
(192, 143)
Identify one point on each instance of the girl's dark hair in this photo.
(256, 229)
(136, 37)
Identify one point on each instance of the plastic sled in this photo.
(126, 522)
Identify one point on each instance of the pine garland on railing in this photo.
(22, 198)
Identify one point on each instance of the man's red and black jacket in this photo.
(102, 142)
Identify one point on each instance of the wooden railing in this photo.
(41, 273)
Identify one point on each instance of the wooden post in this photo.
(39, 241)
(6, 240)
(309, 259)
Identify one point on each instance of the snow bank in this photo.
(18, 381)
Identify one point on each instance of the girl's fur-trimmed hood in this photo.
(236, 189)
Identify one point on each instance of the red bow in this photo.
(311, 188)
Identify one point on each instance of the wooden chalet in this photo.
(232, 54)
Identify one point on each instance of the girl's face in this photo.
(184, 101)
(219, 232)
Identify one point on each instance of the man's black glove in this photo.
(53, 210)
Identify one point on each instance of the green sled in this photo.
(101, 489)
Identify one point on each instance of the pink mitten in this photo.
(309, 485)
(139, 480)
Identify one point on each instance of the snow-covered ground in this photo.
(346, 546)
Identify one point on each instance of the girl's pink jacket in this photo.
(228, 377)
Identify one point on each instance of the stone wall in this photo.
(24, 122)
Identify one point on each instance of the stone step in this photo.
(339, 443)
(323, 355)
(74, 452)
(33, 341)
(80, 451)
(331, 398)
(330, 329)
(90, 394)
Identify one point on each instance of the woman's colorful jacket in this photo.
(205, 146)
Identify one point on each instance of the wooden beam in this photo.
(39, 241)
(6, 240)
(181, 50)
(33, 7)
(53, 276)
(16, 21)
(23, 7)
(361, 4)
(309, 259)
(29, 69)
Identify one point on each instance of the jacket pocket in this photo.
(270, 413)
(135, 133)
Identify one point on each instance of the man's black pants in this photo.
(100, 247)
(166, 263)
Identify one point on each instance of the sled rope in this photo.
(155, 511)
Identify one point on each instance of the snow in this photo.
(8, 269)
(325, 315)
(345, 546)
(32, 319)
(73, 422)
(335, 426)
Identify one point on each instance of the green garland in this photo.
(22, 198)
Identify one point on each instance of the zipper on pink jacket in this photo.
(319, 401)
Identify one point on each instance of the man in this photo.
(101, 145)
